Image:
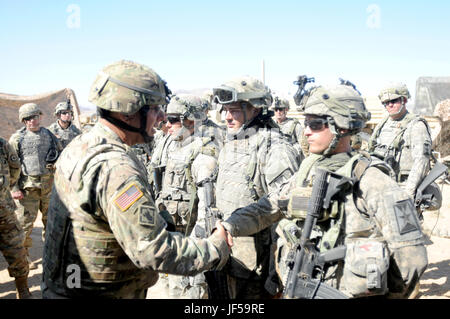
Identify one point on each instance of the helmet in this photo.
(245, 89)
(126, 87)
(279, 104)
(342, 105)
(188, 106)
(62, 106)
(393, 91)
(27, 110)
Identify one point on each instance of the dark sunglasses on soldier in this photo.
(278, 109)
(399, 99)
(173, 119)
(65, 112)
(30, 118)
(316, 124)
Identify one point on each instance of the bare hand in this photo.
(220, 230)
(17, 195)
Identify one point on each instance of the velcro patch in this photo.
(404, 213)
(147, 215)
(128, 197)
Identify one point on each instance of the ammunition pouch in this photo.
(365, 268)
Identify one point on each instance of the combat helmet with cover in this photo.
(128, 87)
(343, 108)
(393, 91)
(27, 110)
(62, 106)
(188, 107)
(279, 103)
(243, 89)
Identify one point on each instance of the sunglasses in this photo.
(278, 109)
(173, 119)
(316, 124)
(30, 118)
(399, 99)
(65, 112)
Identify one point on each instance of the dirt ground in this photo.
(435, 282)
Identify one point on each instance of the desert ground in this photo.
(435, 282)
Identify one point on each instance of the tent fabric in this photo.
(10, 104)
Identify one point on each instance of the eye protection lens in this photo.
(316, 124)
(224, 96)
(173, 119)
(392, 101)
(65, 112)
(30, 118)
(278, 109)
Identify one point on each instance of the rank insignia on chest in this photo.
(128, 197)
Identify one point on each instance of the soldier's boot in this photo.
(22, 291)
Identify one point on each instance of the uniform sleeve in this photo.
(279, 166)
(14, 144)
(394, 215)
(14, 165)
(140, 230)
(421, 153)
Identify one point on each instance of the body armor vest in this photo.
(391, 141)
(239, 184)
(77, 235)
(36, 150)
(4, 168)
(64, 135)
(288, 129)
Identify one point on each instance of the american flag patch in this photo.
(128, 197)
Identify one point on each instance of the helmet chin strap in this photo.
(119, 123)
(399, 111)
(337, 136)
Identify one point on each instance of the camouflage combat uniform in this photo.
(104, 229)
(37, 152)
(11, 233)
(254, 161)
(374, 218)
(406, 145)
(64, 135)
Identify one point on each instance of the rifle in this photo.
(421, 200)
(302, 80)
(157, 178)
(305, 262)
(216, 280)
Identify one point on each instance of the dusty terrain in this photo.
(435, 283)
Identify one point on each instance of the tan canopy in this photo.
(10, 104)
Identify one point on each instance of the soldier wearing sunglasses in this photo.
(402, 139)
(369, 216)
(290, 127)
(63, 128)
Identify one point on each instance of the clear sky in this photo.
(49, 45)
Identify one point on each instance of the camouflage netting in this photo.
(441, 143)
(442, 110)
(10, 104)
(429, 92)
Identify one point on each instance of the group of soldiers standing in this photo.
(216, 211)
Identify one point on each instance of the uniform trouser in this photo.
(11, 243)
(34, 200)
(188, 287)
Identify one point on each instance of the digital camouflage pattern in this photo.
(37, 152)
(393, 91)
(103, 219)
(293, 130)
(405, 144)
(64, 135)
(27, 110)
(11, 233)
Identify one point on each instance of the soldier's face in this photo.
(318, 134)
(33, 123)
(394, 107)
(236, 116)
(173, 124)
(280, 114)
(154, 115)
(65, 116)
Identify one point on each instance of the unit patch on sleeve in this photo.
(147, 215)
(128, 197)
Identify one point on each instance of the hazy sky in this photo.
(49, 45)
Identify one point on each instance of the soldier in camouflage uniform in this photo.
(11, 233)
(38, 150)
(190, 161)
(402, 139)
(63, 128)
(208, 128)
(255, 160)
(373, 216)
(105, 238)
(289, 126)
